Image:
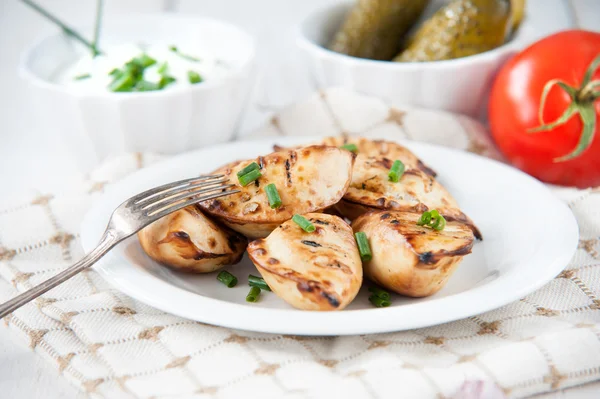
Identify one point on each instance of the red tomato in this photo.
(515, 102)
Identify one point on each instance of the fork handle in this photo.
(108, 240)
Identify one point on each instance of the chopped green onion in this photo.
(378, 292)
(304, 223)
(248, 169)
(425, 219)
(162, 69)
(363, 246)
(131, 76)
(165, 81)
(350, 147)
(439, 224)
(123, 83)
(249, 177)
(66, 29)
(432, 219)
(253, 294)
(273, 196)
(82, 77)
(396, 171)
(138, 64)
(133, 68)
(227, 278)
(144, 60)
(99, 5)
(182, 55)
(254, 281)
(379, 302)
(194, 77)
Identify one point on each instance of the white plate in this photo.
(529, 237)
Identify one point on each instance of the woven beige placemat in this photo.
(114, 347)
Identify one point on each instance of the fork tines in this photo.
(160, 201)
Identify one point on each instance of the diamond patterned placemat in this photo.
(114, 347)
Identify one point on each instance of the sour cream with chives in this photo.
(137, 68)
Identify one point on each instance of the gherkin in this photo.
(459, 29)
(517, 11)
(374, 28)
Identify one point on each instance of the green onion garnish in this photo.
(425, 219)
(304, 223)
(273, 196)
(378, 292)
(133, 68)
(144, 60)
(363, 246)
(82, 77)
(248, 169)
(432, 219)
(379, 302)
(350, 147)
(99, 5)
(440, 223)
(162, 69)
(182, 55)
(165, 81)
(253, 294)
(124, 82)
(68, 30)
(227, 278)
(254, 281)
(396, 171)
(249, 177)
(131, 76)
(194, 77)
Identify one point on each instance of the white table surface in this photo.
(30, 158)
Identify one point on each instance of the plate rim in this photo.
(314, 322)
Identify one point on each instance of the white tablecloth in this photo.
(112, 346)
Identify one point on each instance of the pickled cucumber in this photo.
(517, 11)
(374, 28)
(459, 29)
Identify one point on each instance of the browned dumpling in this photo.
(417, 190)
(188, 241)
(409, 259)
(311, 271)
(307, 179)
(374, 148)
(381, 149)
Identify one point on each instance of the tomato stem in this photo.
(587, 93)
(561, 120)
(588, 117)
(589, 73)
(582, 104)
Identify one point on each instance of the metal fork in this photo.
(130, 217)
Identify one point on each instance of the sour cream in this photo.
(92, 74)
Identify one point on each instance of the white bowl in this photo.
(459, 85)
(100, 125)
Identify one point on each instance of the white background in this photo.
(31, 157)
